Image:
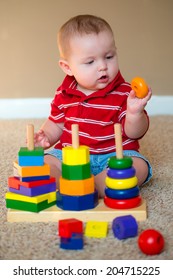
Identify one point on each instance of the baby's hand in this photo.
(135, 104)
(41, 140)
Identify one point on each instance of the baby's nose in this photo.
(102, 66)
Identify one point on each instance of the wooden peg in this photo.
(118, 140)
(30, 137)
(75, 136)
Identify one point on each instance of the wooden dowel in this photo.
(30, 137)
(118, 140)
(75, 136)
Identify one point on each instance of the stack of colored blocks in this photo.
(76, 189)
(71, 234)
(31, 188)
(121, 190)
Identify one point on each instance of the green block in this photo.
(38, 151)
(28, 206)
(76, 172)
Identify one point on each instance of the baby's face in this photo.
(93, 61)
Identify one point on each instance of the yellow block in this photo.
(96, 229)
(29, 171)
(35, 199)
(120, 184)
(71, 156)
(76, 187)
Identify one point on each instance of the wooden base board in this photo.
(54, 214)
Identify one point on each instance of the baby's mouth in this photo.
(103, 79)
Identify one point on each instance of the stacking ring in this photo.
(122, 194)
(120, 163)
(122, 203)
(121, 173)
(121, 184)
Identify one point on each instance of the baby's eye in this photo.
(109, 56)
(89, 62)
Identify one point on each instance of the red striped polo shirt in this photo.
(95, 114)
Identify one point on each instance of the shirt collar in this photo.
(69, 86)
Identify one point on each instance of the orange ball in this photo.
(140, 87)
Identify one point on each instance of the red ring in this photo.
(123, 203)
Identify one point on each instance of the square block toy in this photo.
(67, 227)
(33, 157)
(27, 171)
(75, 242)
(96, 229)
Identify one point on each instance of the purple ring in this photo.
(121, 173)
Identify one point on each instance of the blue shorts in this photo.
(100, 162)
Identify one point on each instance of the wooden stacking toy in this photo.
(121, 190)
(31, 188)
(76, 185)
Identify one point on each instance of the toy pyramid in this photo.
(31, 188)
(121, 190)
(76, 189)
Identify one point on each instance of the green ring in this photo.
(120, 163)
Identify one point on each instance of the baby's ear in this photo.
(65, 67)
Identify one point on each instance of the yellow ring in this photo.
(121, 184)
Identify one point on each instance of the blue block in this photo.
(75, 242)
(122, 194)
(33, 178)
(124, 227)
(47, 188)
(31, 160)
(77, 203)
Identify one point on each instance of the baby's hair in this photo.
(79, 25)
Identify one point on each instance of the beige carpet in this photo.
(40, 240)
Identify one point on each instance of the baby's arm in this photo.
(136, 121)
(48, 134)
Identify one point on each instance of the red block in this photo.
(67, 227)
(15, 183)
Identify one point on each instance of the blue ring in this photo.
(122, 194)
(121, 173)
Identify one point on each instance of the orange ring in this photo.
(140, 87)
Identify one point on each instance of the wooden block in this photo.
(97, 229)
(14, 182)
(66, 227)
(29, 206)
(27, 171)
(36, 199)
(31, 160)
(100, 213)
(77, 203)
(75, 242)
(38, 151)
(34, 178)
(76, 187)
(31, 157)
(76, 172)
(71, 156)
(36, 191)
